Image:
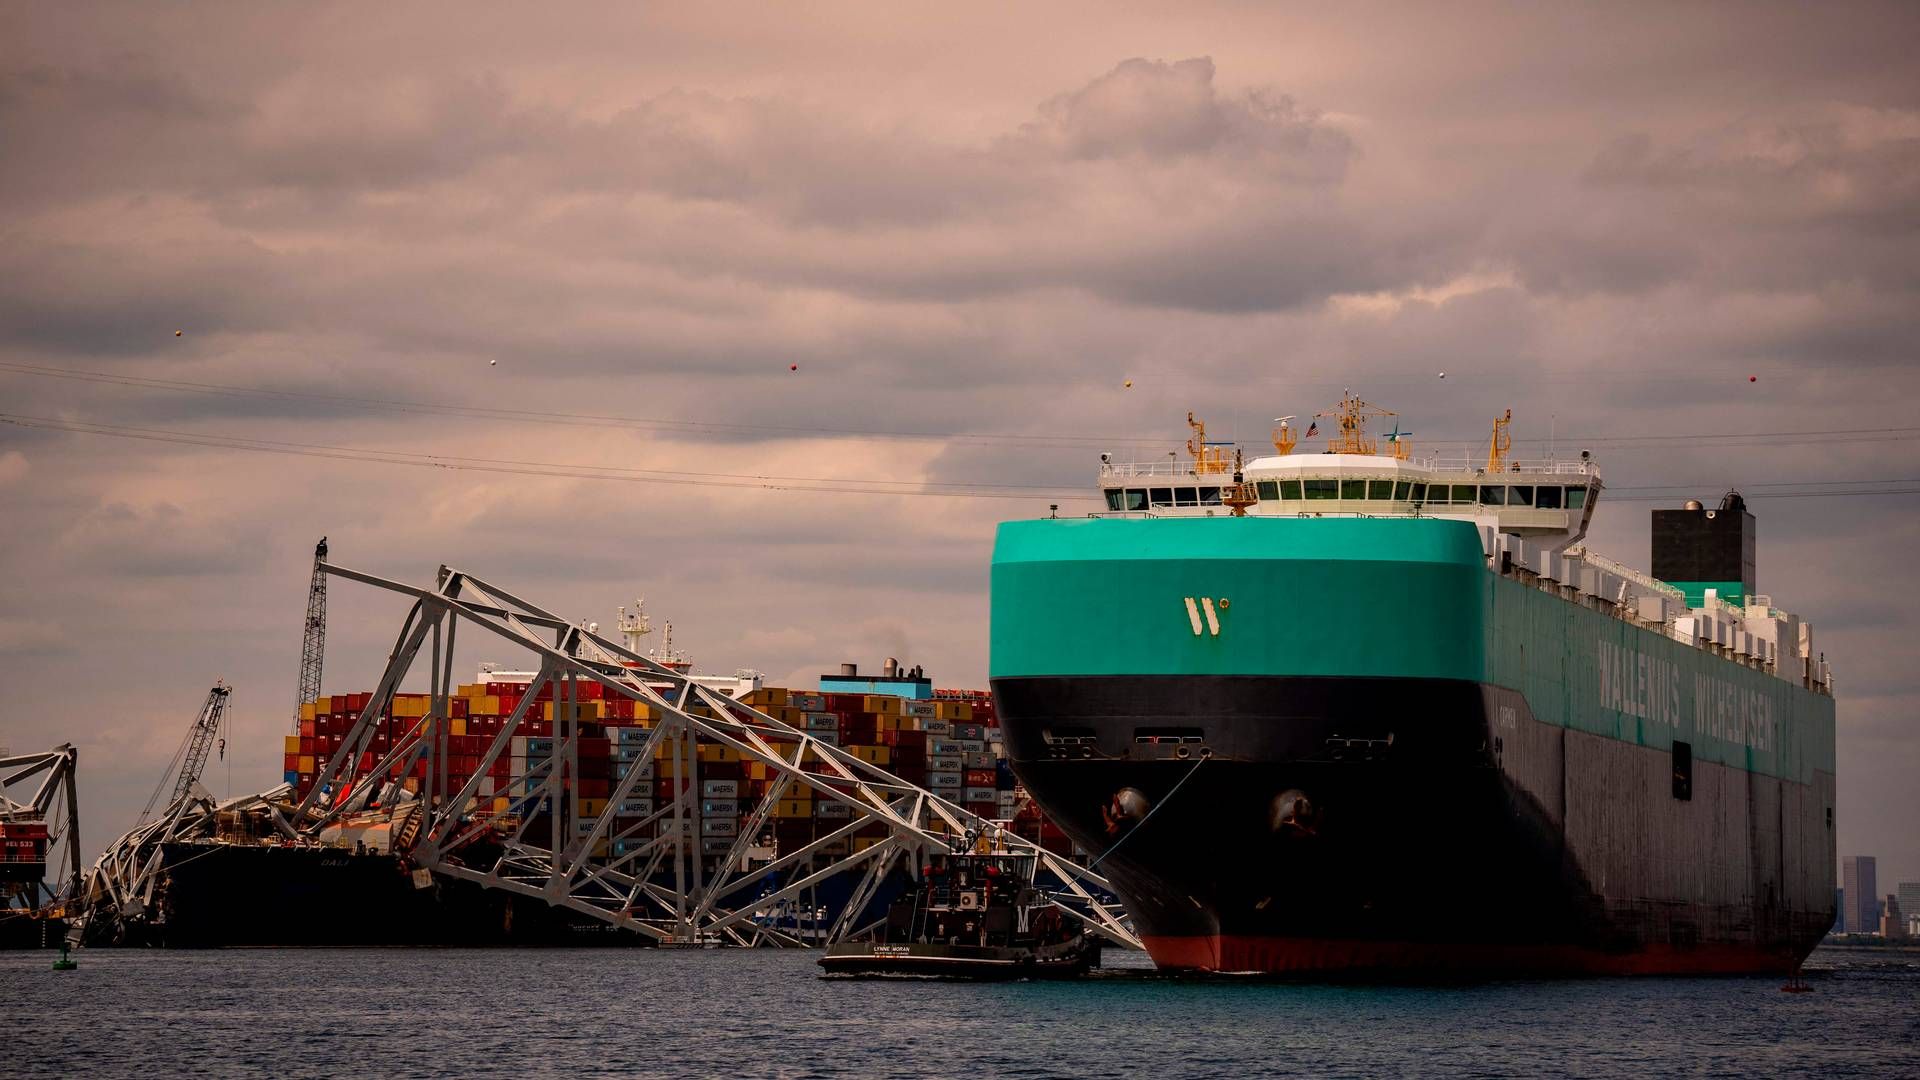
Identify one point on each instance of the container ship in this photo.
(1358, 712)
(243, 884)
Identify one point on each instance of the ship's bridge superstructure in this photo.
(1548, 500)
(1531, 516)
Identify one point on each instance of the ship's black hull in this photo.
(220, 895)
(1339, 825)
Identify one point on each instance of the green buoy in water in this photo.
(65, 963)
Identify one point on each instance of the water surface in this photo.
(608, 1012)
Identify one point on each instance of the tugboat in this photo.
(972, 916)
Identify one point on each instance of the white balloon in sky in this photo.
(493, 363)
(1443, 374)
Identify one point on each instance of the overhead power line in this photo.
(568, 470)
(1068, 441)
(815, 484)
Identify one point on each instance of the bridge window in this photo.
(1520, 495)
(1186, 497)
(1420, 493)
(1160, 497)
(1322, 489)
(1462, 494)
(1548, 498)
(1353, 489)
(1114, 497)
(1493, 495)
(1136, 499)
(1209, 496)
(1290, 489)
(1268, 490)
(1401, 490)
(1576, 498)
(1379, 489)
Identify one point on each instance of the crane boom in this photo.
(314, 646)
(200, 739)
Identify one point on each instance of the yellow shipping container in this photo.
(884, 704)
(955, 710)
(293, 745)
(591, 808)
(862, 843)
(756, 770)
(309, 711)
(793, 808)
(306, 763)
(718, 752)
(458, 726)
(484, 704)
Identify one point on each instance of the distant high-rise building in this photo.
(1908, 893)
(1862, 908)
(1893, 925)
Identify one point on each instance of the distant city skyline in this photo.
(1862, 894)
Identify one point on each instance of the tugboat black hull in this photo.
(1067, 960)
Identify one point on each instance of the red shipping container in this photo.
(979, 777)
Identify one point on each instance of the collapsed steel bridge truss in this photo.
(646, 874)
(119, 900)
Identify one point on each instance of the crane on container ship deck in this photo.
(191, 759)
(118, 897)
(313, 645)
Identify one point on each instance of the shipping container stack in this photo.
(949, 744)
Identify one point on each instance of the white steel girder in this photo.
(651, 878)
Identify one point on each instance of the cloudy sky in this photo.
(596, 244)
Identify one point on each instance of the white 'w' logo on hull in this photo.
(1204, 604)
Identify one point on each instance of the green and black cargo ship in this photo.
(1353, 712)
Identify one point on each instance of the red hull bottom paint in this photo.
(1272, 956)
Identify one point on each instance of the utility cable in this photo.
(769, 482)
(1060, 441)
